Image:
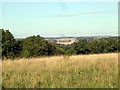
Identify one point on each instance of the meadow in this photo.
(79, 71)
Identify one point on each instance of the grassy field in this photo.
(82, 71)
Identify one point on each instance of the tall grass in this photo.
(82, 71)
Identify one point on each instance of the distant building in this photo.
(66, 41)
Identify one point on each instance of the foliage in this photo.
(0, 43)
(85, 46)
(8, 44)
(35, 46)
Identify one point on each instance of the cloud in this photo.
(78, 14)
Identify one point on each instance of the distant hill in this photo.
(79, 37)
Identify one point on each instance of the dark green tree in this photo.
(8, 43)
(82, 47)
(35, 46)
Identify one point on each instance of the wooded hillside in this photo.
(35, 46)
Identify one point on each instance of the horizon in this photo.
(72, 36)
(56, 19)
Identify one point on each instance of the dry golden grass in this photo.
(81, 71)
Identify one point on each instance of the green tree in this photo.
(8, 43)
(0, 43)
(18, 48)
(35, 46)
(82, 47)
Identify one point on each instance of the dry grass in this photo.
(81, 71)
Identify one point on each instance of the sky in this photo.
(49, 19)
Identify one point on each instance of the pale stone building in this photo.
(66, 41)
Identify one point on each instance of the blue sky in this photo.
(60, 18)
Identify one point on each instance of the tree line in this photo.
(35, 46)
